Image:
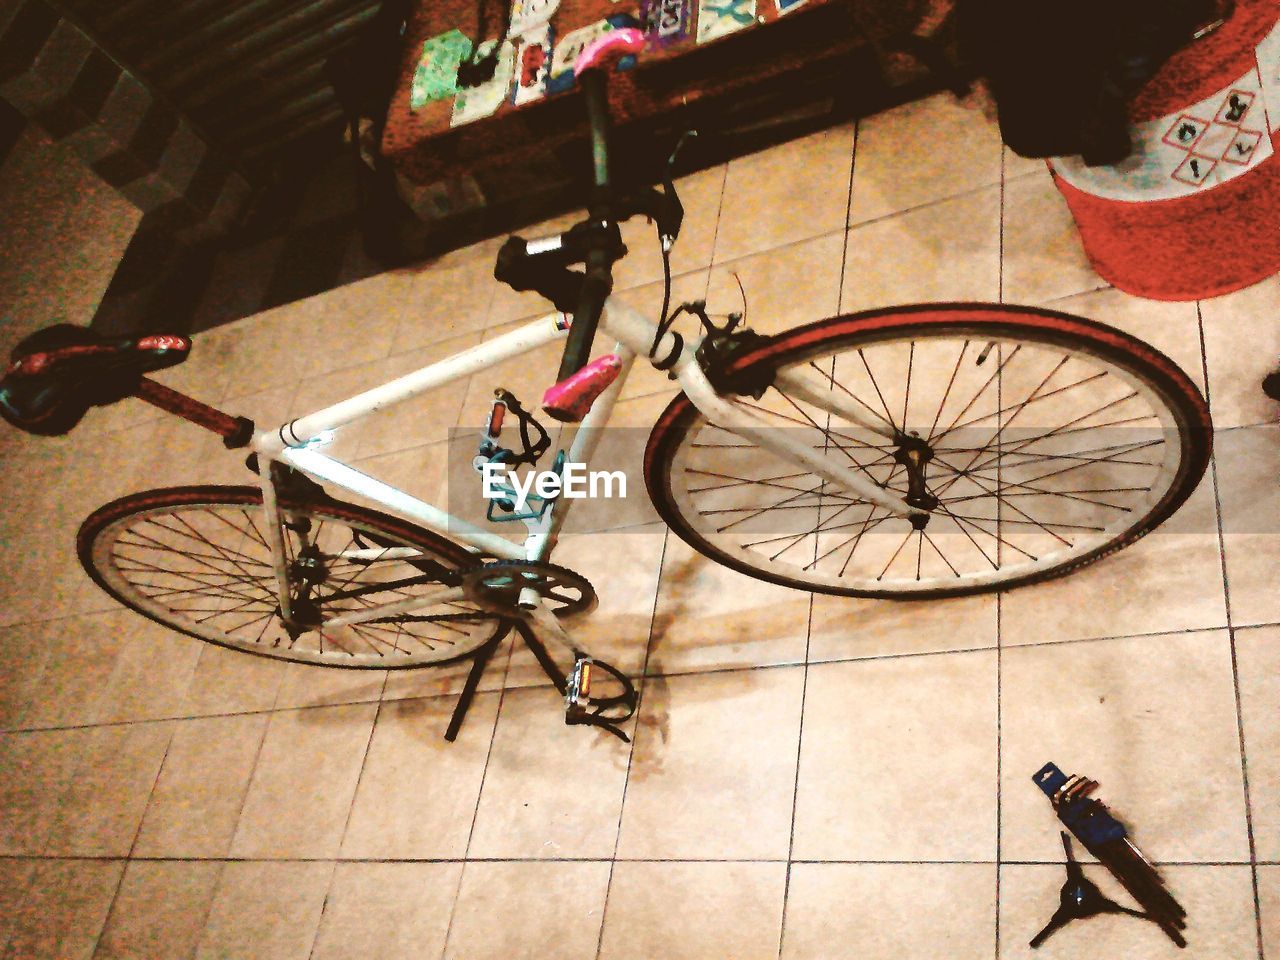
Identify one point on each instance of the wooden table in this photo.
(820, 50)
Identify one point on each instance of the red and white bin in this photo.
(1194, 211)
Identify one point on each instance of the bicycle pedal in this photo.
(581, 707)
(578, 690)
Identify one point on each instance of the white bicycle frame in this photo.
(297, 444)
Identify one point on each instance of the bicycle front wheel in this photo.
(196, 559)
(1039, 441)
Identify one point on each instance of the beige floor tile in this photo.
(787, 193)
(26, 648)
(1218, 901)
(621, 448)
(1016, 166)
(82, 657)
(1258, 661)
(879, 737)
(1269, 894)
(1116, 711)
(447, 680)
(694, 911)
(526, 375)
(201, 788)
(1043, 257)
(230, 681)
(418, 792)
(785, 288)
(424, 419)
(1172, 328)
(309, 685)
(387, 911)
(152, 672)
(923, 151)
(700, 194)
(302, 786)
(159, 912)
(713, 768)
(15, 878)
(531, 806)
(710, 617)
(944, 251)
(1248, 462)
(885, 911)
(524, 911)
(64, 909)
(265, 911)
(1241, 343)
(1170, 580)
(100, 812)
(38, 770)
(846, 628)
(623, 566)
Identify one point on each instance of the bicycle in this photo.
(822, 458)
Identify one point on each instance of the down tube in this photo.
(540, 543)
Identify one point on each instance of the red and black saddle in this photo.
(58, 373)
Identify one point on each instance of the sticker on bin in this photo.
(1202, 145)
(474, 103)
(716, 18)
(533, 65)
(666, 21)
(436, 76)
(529, 15)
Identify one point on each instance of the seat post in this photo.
(235, 431)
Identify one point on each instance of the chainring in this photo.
(496, 587)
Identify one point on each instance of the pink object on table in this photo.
(571, 398)
(615, 43)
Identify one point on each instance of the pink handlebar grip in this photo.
(607, 47)
(570, 399)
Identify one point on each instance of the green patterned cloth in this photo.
(436, 77)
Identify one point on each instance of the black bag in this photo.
(1062, 74)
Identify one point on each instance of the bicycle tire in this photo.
(1157, 376)
(232, 574)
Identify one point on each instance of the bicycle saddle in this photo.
(58, 373)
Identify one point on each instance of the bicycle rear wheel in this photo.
(1049, 442)
(196, 559)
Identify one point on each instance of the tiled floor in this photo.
(810, 777)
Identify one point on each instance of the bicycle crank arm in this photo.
(444, 595)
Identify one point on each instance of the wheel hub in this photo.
(914, 454)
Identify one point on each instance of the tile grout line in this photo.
(676, 673)
(1231, 645)
(244, 800)
(795, 784)
(475, 813)
(109, 858)
(133, 845)
(346, 823)
(808, 633)
(999, 596)
(622, 806)
(653, 616)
